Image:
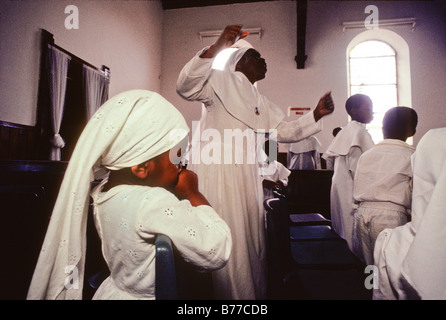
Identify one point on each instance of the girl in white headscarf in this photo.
(235, 108)
(130, 138)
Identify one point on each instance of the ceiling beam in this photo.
(179, 4)
(301, 13)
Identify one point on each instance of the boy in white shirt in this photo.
(345, 149)
(383, 182)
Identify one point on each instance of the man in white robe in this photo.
(345, 149)
(234, 188)
(411, 259)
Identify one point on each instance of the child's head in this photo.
(142, 133)
(360, 108)
(400, 123)
(161, 171)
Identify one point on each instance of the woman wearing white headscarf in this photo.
(411, 259)
(129, 138)
(233, 105)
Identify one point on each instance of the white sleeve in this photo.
(192, 82)
(198, 233)
(296, 130)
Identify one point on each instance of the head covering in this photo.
(235, 57)
(425, 263)
(240, 97)
(130, 128)
(350, 136)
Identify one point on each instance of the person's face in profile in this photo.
(364, 112)
(252, 65)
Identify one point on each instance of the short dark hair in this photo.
(355, 101)
(400, 122)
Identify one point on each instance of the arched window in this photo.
(378, 66)
(373, 72)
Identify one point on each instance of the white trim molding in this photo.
(216, 33)
(381, 23)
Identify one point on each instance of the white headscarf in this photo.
(130, 128)
(241, 98)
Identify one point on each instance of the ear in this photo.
(142, 171)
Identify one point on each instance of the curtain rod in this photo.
(216, 33)
(381, 22)
(105, 70)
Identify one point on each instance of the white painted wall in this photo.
(123, 35)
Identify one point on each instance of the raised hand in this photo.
(187, 188)
(228, 37)
(325, 106)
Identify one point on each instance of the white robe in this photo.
(383, 192)
(276, 172)
(304, 155)
(411, 259)
(128, 218)
(346, 148)
(235, 190)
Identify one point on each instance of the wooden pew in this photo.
(28, 190)
(308, 191)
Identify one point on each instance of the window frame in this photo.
(402, 62)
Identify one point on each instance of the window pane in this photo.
(380, 70)
(373, 72)
(384, 97)
(371, 49)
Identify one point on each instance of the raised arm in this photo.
(198, 233)
(325, 106)
(307, 125)
(192, 80)
(227, 38)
